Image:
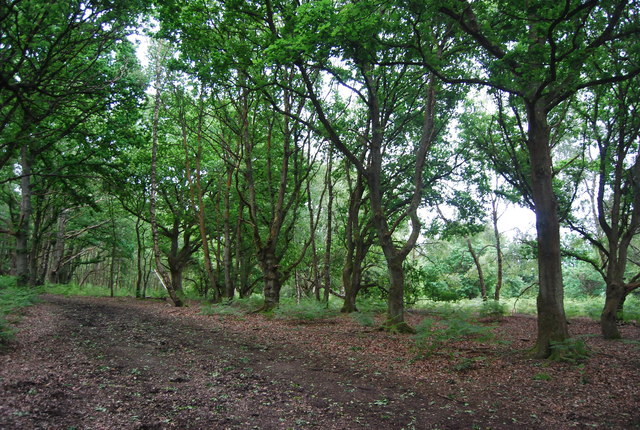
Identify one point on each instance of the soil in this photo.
(101, 363)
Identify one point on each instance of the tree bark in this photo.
(227, 262)
(357, 242)
(327, 250)
(139, 254)
(552, 322)
(58, 249)
(166, 279)
(499, 256)
(476, 261)
(24, 220)
(350, 287)
(315, 265)
(195, 194)
(615, 295)
(272, 280)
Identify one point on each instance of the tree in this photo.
(404, 107)
(543, 54)
(359, 236)
(61, 64)
(255, 108)
(177, 259)
(612, 127)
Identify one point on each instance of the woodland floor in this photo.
(101, 363)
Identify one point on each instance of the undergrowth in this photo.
(233, 307)
(90, 290)
(573, 350)
(304, 310)
(365, 319)
(434, 335)
(12, 300)
(589, 307)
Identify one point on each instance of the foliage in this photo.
(572, 350)
(492, 309)
(365, 319)
(439, 282)
(219, 309)
(233, 307)
(12, 299)
(90, 290)
(590, 307)
(434, 335)
(587, 307)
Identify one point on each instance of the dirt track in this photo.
(119, 363)
(100, 363)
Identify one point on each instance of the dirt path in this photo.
(120, 363)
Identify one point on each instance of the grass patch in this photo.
(542, 376)
(12, 299)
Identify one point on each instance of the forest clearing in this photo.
(105, 363)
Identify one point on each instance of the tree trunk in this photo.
(620, 311)
(58, 249)
(272, 283)
(395, 302)
(139, 254)
(609, 318)
(352, 281)
(113, 252)
(176, 278)
(357, 244)
(476, 261)
(315, 266)
(227, 263)
(35, 246)
(195, 194)
(173, 294)
(327, 251)
(499, 256)
(552, 322)
(350, 289)
(24, 221)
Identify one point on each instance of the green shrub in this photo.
(248, 304)
(12, 299)
(433, 335)
(370, 306)
(590, 307)
(632, 308)
(219, 309)
(492, 309)
(365, 319)
(6, 333)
